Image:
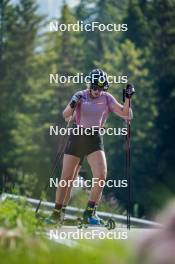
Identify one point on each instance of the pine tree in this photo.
(161, 15)
(139, 30)
(96, 42)
(20, 26)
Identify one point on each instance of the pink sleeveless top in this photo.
(94, 111)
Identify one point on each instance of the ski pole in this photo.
(127, 169)
(55, 163)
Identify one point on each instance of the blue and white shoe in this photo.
(90, 217)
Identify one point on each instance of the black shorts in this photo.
(83, 145)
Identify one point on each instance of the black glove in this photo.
(128, 91)
(75, 99)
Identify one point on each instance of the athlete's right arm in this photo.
(69, 110)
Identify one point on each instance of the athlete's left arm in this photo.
(124, 111)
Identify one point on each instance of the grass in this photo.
(41, 251)
(20, 242)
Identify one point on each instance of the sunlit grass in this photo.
(20, 242)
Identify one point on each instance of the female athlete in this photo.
(91, 108)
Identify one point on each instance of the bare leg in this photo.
(70, 164)
(67, 198)
(97, 162)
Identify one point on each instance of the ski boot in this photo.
(56, 218)
(90, 218)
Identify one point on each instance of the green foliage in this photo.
(18, 214)
(164, 66)
(41, 251)
(20, 25)
(19, 243)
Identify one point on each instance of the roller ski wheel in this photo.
(81, 223)
(109, 224)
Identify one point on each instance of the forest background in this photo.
(29, 104)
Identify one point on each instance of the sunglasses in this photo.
(97, 88)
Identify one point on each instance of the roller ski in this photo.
(90, 218)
